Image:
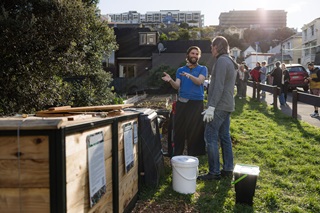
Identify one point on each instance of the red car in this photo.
(297, 75)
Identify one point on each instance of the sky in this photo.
(299, 12)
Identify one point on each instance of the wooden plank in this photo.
(59, 108)
(9, 200)
(77, 172)
(78, 142)
(76, 193)
(126, 198)
(76, 165)
(30, 124)
(115, 113)
(80, 202)
(89, 108)
(35, 200)
(33, 173)
(128, 187)
(54, 115)
(25, 147)
(9, 175)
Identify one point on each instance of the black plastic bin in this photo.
(245, 180)
(151, 159)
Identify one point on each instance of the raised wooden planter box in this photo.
(44, 165)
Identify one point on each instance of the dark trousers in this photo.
(189, 126)
(284, 90)
(242, 88)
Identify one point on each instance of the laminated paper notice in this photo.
(97, 172)
(128, 146)
(135, 132)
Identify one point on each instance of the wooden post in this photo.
(275, 95)
(258, 90)
(254, 86)
(294, 104)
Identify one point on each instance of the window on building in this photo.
(148, 39)
(288, 45)
(235, 53)
(313, 47)
(127, 70)
(312, 30)
(307, 50)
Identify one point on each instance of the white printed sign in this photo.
(96, 164)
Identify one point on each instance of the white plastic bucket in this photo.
(184, 173)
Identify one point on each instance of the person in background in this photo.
(188, 123)
(255, 72)
(217, 115)
(263, 74)
(276, 73)
(285, 82)
(242, 79)
(314, 83)
(246, 67)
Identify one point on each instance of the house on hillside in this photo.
(235, 53)
(140, 51)
(133, 59)
(248, 51)
(292, 47)
(233, 30)
(176, 51)
(252, 58)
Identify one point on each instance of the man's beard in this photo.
(192, 60)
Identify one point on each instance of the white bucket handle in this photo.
(190, 179)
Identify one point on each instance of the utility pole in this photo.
(281, 53)
(257, 43)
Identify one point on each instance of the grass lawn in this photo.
(287, 152)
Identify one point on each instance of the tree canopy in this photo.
(44, 43)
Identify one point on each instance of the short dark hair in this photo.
(193, 48)
(310, 64)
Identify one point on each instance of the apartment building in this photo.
(310, 41)
(131, 17)
(269, 20)
(193, 18)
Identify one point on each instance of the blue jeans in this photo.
(215, 131)
(282, 99)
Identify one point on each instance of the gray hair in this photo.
(222, 44)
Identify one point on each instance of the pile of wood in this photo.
(80, 112)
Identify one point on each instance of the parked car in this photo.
(297, 76)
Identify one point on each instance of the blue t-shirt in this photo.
(188, 89)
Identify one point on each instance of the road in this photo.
(304, 110)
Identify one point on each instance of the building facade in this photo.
(131, 17)
(292, 47)
(310, 41)
(269, 20)
(192, 18)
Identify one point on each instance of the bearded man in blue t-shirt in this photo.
(188, 124)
